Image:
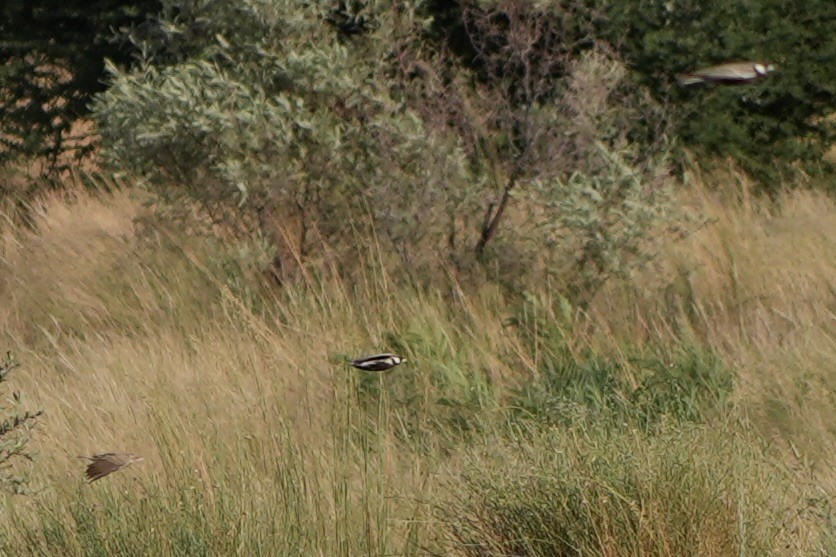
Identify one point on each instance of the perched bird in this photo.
(378, 362)
(103, 464)
(732, 72)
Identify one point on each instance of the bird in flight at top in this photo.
(729, 73)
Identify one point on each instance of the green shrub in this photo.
(317, 136)
(603, 223)
(265, 106)
(641, 387)
(15, 430)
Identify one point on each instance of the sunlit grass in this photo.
(259, 440)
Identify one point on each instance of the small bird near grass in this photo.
(378, 362)
(106, 463)
(729, 73)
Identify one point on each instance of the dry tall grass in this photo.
(757, 285)
(258, 440)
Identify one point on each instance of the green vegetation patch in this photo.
(690, 385)
(688, 490)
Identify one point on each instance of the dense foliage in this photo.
(484, 130)
(54, 54)
(316, 130)
(776, 129)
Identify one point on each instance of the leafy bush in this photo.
(265, 105)
(533, 110)
(603, 224)
(317, 136)
(14, 435)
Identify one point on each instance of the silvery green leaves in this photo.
(279, 113)
(602, 223)
(594, 209)
(288, 124)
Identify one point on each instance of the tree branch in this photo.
(489, 227)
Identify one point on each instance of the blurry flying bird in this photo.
(106, 463)
(378, 362)
(732, 72)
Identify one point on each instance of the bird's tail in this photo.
(686, 79)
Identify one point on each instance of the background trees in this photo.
(460, 128)
(777, 129)
(53, 60)
(52, 57)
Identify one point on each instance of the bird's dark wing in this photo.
(99, 468)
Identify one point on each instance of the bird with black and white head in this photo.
(378, 362)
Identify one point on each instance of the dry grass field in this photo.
(689, 411)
